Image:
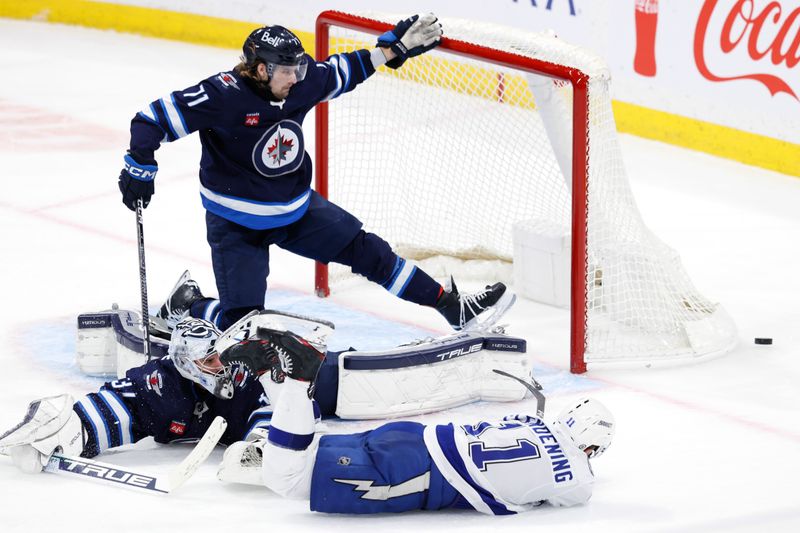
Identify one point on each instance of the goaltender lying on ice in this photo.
(396, 467)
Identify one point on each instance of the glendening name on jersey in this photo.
(511, 466)
(254, 169)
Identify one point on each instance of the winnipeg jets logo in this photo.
(384, 492)
(281, 147)
(154, 382)
(280, 150)
(228, 81)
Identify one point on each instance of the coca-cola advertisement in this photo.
(644, 61)
(732, 63)
(746, 40)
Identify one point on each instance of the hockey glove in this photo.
(411, 37)
(136, 181)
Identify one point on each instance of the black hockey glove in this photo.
(411, 37)
(137, 181)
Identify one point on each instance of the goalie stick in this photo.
(533, 386)
(121, 476)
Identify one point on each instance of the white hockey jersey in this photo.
(511, 466)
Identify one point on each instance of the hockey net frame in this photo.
(576, 78)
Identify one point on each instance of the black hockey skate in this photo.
(280, 352)
(176, 306)
(478, 310)
(257, 355)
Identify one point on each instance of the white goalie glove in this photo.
(49, 426)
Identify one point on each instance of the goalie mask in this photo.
(192, 349)
(277, 47)
(589, 424)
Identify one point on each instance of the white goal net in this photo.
(446, 154)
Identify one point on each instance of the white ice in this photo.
(711, 446)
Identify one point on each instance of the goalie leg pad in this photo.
(437, 374)
(111, 342)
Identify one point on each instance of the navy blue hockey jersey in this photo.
(155, 400)
(254, 169)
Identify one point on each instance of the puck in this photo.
(763, 340)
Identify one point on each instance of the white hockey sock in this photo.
(293, 419)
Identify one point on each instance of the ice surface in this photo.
(711, 447)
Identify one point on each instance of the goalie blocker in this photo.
(411, 379)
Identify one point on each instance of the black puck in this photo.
(763, 340)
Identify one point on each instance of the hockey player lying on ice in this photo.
(397, 467)
(505, 467)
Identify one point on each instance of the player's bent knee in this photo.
(368, 255)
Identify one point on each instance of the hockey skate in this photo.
(479, 310)
(257, 355)
(280, 352)
(176, 306)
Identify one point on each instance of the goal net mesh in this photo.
(444, 155)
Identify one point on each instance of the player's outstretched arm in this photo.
(409, 38)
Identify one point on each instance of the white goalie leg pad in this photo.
(109, 343)
(49, 425)
(432, 375)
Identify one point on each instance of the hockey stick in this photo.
(533, 386)
(143, 279)
(104, 472)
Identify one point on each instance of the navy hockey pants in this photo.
(347, 466)
(325, 233)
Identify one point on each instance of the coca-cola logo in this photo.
(767, 34)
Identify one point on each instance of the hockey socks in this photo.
(412, 284)
(293, 419)
(207, 309)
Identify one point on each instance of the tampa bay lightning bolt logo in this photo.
(280, 150)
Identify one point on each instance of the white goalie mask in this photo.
(589, 424)
(192, 349)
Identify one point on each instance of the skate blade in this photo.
(490, 316)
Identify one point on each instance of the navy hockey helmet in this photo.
(275, 46)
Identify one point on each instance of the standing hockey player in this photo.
(504, 467)
(255, 175)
